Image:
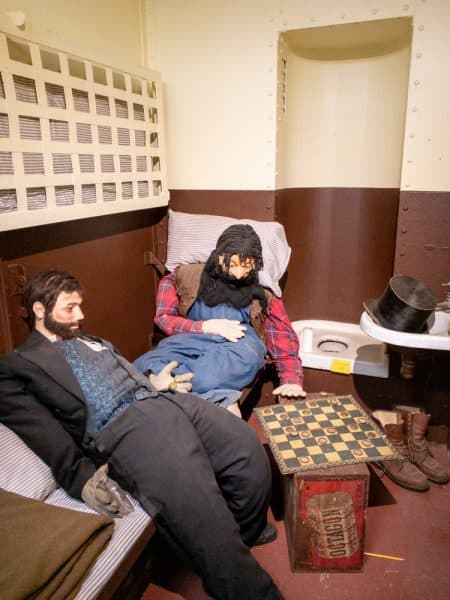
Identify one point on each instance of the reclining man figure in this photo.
(221, 323)
(198, 471)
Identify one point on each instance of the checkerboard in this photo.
(323, 432)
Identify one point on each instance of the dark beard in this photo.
(63, 330)
(218, 287)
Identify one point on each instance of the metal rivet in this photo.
(416, 82)
(418, 54)
(409, 160)
(404, 230)
(407, 185)
(411, 135)
(402, 253)
(405, 208)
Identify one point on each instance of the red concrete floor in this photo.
(400, 523)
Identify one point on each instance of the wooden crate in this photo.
(325, 512)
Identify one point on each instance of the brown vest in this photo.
(187, 283)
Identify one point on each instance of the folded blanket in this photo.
(46, 551)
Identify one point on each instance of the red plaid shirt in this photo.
(281, 340)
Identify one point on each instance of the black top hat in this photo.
(405, 305)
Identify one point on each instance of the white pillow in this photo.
(21, 470)
(192, 238)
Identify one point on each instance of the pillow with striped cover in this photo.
(21, 470)
(193, 237)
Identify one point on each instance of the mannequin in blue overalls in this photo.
(229, 353)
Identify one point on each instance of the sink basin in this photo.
(437, 337)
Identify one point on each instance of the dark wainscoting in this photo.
(343, 244)
(238, 204)
(423, 238)
(107, 254)
(342, 239)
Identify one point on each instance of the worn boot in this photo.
(416, 425)
(402, 471)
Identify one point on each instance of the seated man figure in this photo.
(199, 472)
(221, 323)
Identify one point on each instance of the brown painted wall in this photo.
(423, 238)
(107, 255)
(342, 243)
(238, 204)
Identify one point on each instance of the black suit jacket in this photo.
(41, 400)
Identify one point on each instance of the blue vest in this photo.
(107, 386)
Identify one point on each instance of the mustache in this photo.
(64, 330)
(243, 282)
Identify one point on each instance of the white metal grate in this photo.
(36, 198)
(55, 95)
(86, 163)
(78, 138)
(30, 128)
(6, 163)
(88, 194)
(4, 126)
(59, 131)
(33, 162)
(25, 89)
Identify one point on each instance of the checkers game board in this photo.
(324, 432)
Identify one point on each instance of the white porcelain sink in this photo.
(437, 337)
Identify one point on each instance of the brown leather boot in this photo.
(403, 471)
(419, 452)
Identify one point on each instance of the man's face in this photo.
(238, 269)
(65, 318)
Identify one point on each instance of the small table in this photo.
(320, 446)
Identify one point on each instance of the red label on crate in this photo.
(334, 511)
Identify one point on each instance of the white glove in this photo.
(104, 495)
(164, 380)
(290, 389)
(230, 330)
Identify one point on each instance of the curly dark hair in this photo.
(45, 287)
(241, 240)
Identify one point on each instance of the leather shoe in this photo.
(267, 535)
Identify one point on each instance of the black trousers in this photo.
(203, 475)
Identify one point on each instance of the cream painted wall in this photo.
(343, 114)
(219, 62)
(107, 30)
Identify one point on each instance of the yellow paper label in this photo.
(338, 365)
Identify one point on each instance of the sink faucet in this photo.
(445, 304)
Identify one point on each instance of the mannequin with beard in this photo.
(221, 324)
(104, 429)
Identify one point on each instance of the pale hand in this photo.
(230, 330)
(292, 390)
(165, 380)
(105, 496)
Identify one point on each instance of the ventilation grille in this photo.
(75, 135)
